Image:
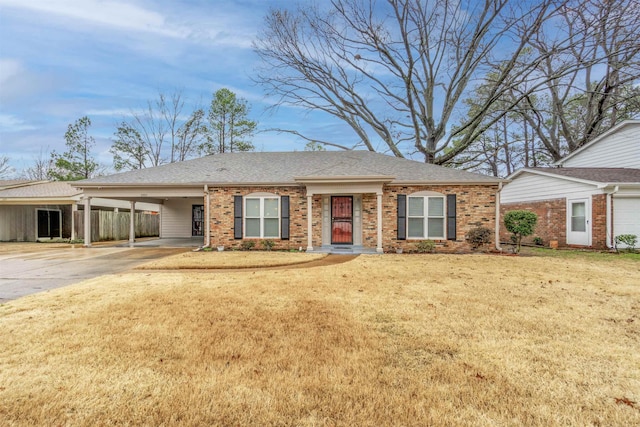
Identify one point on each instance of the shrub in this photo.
(268, 244)
(627, 239)
(479, 236)
(247, 245)
(520, 224)
(538, 241)
(426, 246)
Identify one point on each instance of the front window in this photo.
(262, 217)
(425, 217)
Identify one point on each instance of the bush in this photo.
(538, 241)
(627, 239)
(247, 245)
(520, 224)
(426, 246)
(479, 236)
(268, 244)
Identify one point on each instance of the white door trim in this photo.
(579, 237)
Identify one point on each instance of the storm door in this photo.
(578, 222)
(49, 224)
(197, 220)
(342, 220)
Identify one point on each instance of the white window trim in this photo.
(60, 222)
(426, 196)
(262, 197)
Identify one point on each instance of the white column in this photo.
(207, 224)
(379, 200)
(74, 209)
(309, 222)
(132, 223)
(87, 222)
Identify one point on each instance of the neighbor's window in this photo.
(262, 217)
(425, 217)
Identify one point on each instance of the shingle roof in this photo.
(6, 183)
(603, 175)
(285, 167)
(40, 190)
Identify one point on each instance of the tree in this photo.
(77, 162)
(397, 71)
(40, 168)
(520, 224)
(158, 134)
(229, 127)
(5, 167)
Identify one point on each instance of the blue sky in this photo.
(63, 59)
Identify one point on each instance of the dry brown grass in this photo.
(217, 260)
(382, 340)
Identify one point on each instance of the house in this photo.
(43, 210)
(589, 197)
(320, 201)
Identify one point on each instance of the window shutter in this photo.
(451, 217)
(284, 217)
(402, 217)
(237, 217)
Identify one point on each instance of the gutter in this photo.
(609, 221)
(497, 231)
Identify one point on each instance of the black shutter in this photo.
(237, 217)
(402, 217)
(284, 217)
(451, 217)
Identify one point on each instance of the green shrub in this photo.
(426, 246)
(538, 241)
(627, 239)
(520, 224)
(268, 244)
(247, 245)
(479, 236)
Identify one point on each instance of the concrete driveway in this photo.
(29, 271)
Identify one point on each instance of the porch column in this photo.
(74, 209)
(207, 219)
(87, 222)
(309, 222)
(132, 223)
(379, 209)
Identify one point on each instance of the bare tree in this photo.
(397, 71)
(162, 132)
(5, 167)
(41, 166)
(577, 104)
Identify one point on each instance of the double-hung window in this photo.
(426, 217)
(262, 217)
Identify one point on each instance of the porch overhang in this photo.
(344, 184)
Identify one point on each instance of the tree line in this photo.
(164, 132)
(487, 85)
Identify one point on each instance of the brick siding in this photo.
(475, 207)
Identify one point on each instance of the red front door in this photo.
(342, 220)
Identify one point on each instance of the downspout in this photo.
(497, 232)
(207, 223)
(608, 216)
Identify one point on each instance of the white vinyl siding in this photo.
(529, 187)
(425, 217)
(176, 217)
(620, 149)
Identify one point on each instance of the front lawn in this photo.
(381, 340)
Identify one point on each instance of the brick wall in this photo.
(475, 207)
(552, 221)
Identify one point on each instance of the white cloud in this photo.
(119, 112)
(108, 13)
(10, 123)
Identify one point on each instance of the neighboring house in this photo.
(44, 210)
(590, 197)
(324, 201)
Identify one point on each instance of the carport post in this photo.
(132, 223)
(87, 222)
